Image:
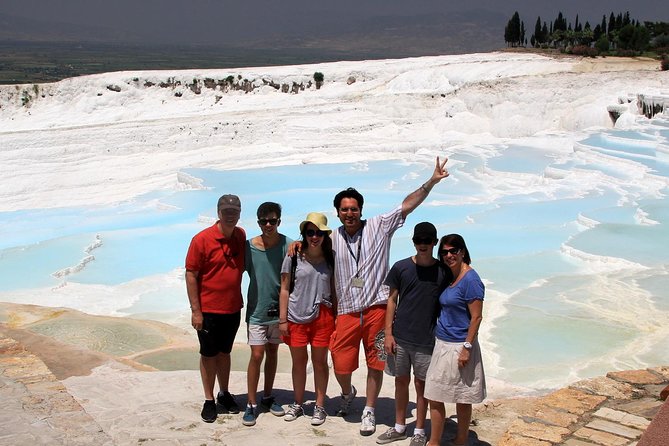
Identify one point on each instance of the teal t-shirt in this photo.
(264, 270)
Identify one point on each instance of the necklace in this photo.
(463, 270)
(314, 258)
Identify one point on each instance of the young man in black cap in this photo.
(415, 284)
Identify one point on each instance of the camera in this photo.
(273, 311)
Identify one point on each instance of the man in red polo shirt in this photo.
(214, 267)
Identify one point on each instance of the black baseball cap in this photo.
(425, 230)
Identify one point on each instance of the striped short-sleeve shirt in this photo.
(372, 266)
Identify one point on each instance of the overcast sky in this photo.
(206, 20)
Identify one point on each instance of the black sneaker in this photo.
(346, 401)
(269, 405)
(208, 413)
(225, 403)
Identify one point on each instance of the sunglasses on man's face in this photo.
(452, 251)
(271, 221)
(422, 241)
(314, 232)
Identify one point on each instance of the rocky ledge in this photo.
(614, 410)
(36, 408)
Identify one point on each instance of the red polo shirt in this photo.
(220, 263)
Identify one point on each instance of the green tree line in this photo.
(619, 33)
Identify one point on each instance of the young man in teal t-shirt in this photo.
(264, 256)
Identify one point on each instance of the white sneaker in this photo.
(319, 416)
(368, 424)
(294, 412)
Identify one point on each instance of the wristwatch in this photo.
(467, 345)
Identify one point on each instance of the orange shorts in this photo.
(317, 332)
(366, 326)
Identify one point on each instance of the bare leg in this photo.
(344, 381)
(437, 419)
(208, 366)
(223, 371)
(271, 362)
(421, 403)
(299, 371)
(464, 413)
(253, 372)
(319, 359)
(401, 398)
(374, 382)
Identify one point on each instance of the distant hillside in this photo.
(394, 36)
(381, 35)
(34, 50)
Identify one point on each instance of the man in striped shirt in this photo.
(362, 250)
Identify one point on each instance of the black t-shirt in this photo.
(418, 302)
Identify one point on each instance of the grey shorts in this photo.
(263, 334)
(401, 362)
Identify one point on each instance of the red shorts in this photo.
(317, 332)
(366, 326)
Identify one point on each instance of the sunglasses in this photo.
(345, 210)
(314, 232)
(271, 221)
(422, 240)
(453, 251)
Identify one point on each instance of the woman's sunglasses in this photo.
(314, 232)
(453, 251)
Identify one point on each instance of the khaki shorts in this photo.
(263, 334)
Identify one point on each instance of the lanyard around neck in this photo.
(350, 251)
